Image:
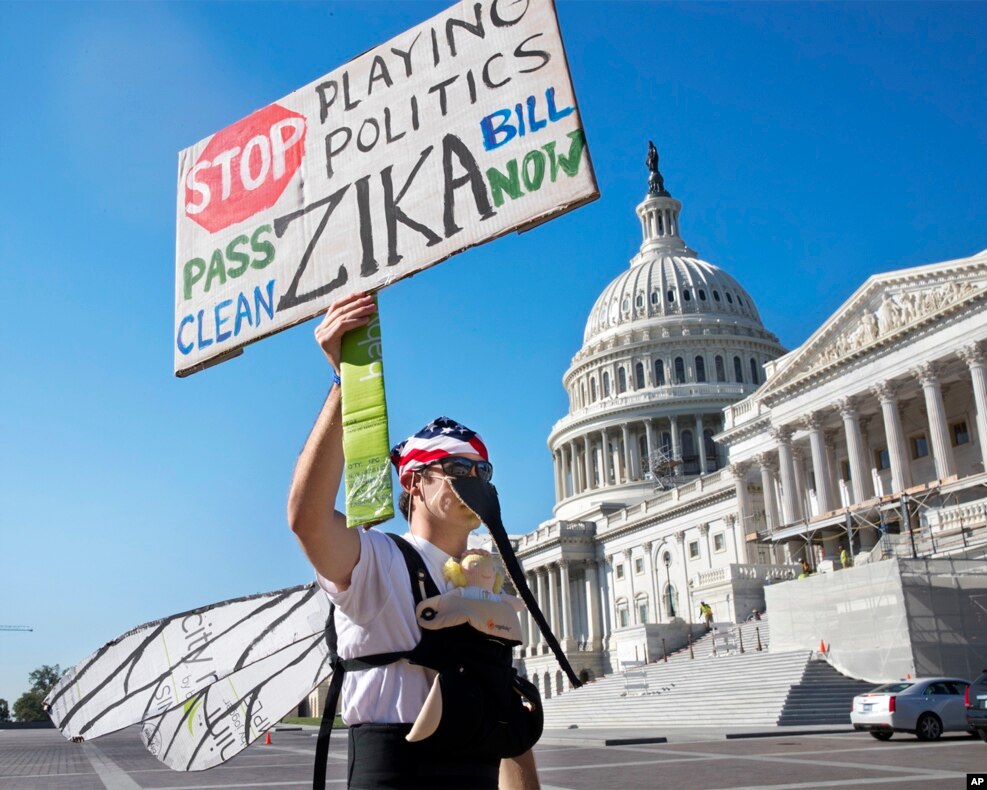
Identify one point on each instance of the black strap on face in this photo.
(481, 497)
(422, 586)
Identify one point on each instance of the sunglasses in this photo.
(455, 466)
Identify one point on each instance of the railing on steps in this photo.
(635, 679)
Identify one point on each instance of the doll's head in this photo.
(476, 569)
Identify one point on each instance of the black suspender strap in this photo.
(329, 711)
(422, 586)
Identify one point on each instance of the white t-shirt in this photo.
(376, 614)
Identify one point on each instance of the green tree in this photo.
(44, 678)
(4, 711)
(28, 707)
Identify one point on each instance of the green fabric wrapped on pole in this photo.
(369, 499)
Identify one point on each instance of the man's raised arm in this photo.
(330, 546)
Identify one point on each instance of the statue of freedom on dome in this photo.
(656, 184)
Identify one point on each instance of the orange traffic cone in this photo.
(267, 740)
(822, 646)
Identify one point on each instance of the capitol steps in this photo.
(729, 688)
(824, 696)
(707, 691)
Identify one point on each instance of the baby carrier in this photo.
(479, 706)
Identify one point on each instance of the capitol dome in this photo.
(669, 284)
(668, 344)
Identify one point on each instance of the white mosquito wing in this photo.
(158, 666)
(220, 721)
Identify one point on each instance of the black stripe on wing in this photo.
(242, 660)
(133, 659)
(252, 694)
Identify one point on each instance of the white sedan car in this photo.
(925, 706)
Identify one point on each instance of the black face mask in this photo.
(480, 496)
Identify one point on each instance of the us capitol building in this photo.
(700, 461)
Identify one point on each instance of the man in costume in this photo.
(365, 576)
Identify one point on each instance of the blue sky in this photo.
(811, 145)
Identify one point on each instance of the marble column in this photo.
(901, 470)
(790, 506)
(568, 489)
(588, 463)
(820, 466)
(605, 454)
(650, 432)
(580, 462)
(798, 460)
(767, 465)
(704, 532)
(575, 467)
(583, 479)
(871, 462)
(973, 355)
(557, 464)
(553, 598)
(701, 443)
(829, 442)
(856, 451)
(567, 630)
(628, 458)
(730, 521)
(744, 509)
(942, 448)
(637, 463)
(593, 611)
(562, 481)
(676, 446)
(540, 575)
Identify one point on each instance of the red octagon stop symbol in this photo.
(245, 168)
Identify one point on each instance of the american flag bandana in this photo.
(440, 438)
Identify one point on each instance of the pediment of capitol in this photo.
(887, 310)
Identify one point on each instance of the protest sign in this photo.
(451, 134)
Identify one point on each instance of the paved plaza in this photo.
(43, 760)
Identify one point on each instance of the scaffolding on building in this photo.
(665, 469)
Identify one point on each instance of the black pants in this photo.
(380, 757)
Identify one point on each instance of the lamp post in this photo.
(668, 584)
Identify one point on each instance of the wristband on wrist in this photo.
(335, 378)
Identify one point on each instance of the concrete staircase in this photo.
(729, 688)
(823, 696)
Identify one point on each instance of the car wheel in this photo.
(881, 735)
(982, 733)
(929, 727)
